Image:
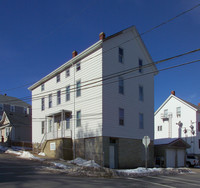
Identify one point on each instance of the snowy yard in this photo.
(81, 167)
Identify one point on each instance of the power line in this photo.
(171, 19)
(151, 72)
(153, 28)
(164, 69)
(107, 77)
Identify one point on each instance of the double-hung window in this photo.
(42, 104)
(67, 93)
(1, 107)
(58, 97)
(42, 87)
(67, 72)
(78, 88)
(78, 66)
(178, 111)
(121, 116)
(141, 93)
(58, 78)
(78, 118)
(140, 63)
(42, 127)
(121, 55)
(121, 85)
(141, 121)
(50, 100)
(67, 122)
(12, 108)
(7, 131)
(50, 125)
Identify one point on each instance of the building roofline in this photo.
(75, 59)
(177, 98)
(91, 49)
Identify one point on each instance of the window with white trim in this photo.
(7, 131)
(58, 78)
(12, 108)
(78, 118)
(121, 85)
(67, 73)
(78, 66)
(159, 127)
(121, 55)
(42, 104)
(178, 111)
(58, 97)
(141, 121)
(42, 87)
(1, 107)
(42, 127)
(121, 116)
(140, 63)
(67, 93)
(141, 93)
(78, 88)
(50, 100)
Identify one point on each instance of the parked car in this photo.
(191, 161)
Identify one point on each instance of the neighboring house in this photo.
(170, 152)
(91, 108)
(177, 118)
(15, 122)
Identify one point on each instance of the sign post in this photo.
(146, 142)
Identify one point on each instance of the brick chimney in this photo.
(102, 36)
(74, 53)
(173, 92)
(198, 104)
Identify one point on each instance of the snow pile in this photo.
(151, 171)
(41, 154)
(81, 162)
(13, 152)
(139, 170)
(28, 155)
(60, 165)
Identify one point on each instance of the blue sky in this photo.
(38, 36)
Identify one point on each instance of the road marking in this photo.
(193, 181)
(151, 182)
(174, 180)
(6, 173)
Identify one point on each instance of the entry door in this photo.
(112, 156)
(170, 157)
(180, 157)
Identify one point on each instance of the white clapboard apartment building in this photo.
(99, 104)
(177, 118)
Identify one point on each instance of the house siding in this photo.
(188, 114)
(90, 101)
(130, 100)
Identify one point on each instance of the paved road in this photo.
(20, 173)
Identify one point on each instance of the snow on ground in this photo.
(60, 165)
(82, 162)
(140, 170)
(41, 154)
(81, 166)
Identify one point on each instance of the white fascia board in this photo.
(176, 99)
(144, 48)
(68, 63)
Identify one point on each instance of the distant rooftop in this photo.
(4, 99)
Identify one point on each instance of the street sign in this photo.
(146, 141)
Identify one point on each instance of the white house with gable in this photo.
(99, 104)
(177, 118)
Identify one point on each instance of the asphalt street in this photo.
(20, 173)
